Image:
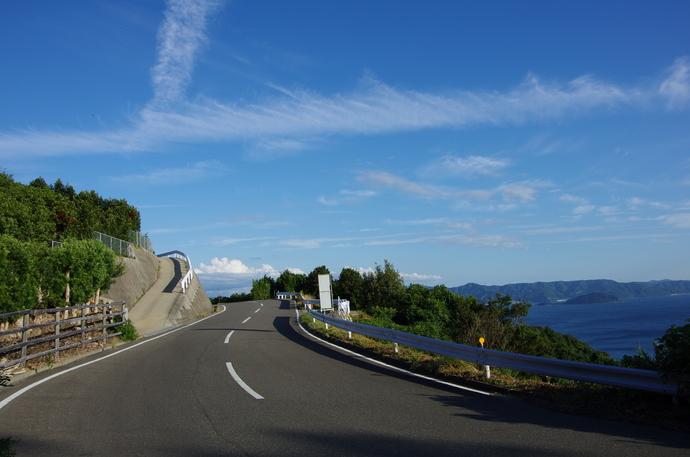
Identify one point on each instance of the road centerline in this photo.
(227, 338)
(245, 321)
(242, 384)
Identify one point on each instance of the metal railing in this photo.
(632, 378)
(141, 240)
(82, 324)
(187, 280)
(120, 247)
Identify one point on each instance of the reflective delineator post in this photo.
(349, 335)
(395, 347)
(487, 368)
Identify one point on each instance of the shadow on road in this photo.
(176, 278)
(497, 411)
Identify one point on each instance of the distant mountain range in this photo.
(549, 292)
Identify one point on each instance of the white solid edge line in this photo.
(31, 386)
(242, 384)
(227, 338)
(378, 362)
(244, 321)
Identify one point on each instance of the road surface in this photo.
(249, 382)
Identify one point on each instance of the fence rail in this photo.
(632, 378)
(87, 324)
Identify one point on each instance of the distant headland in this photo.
(594, 297)
(559, 291)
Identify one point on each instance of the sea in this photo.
(615, 328)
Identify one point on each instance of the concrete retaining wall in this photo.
(191, 306)
(140, 274)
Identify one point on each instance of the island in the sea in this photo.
(594, 297)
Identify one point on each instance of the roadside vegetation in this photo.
(380, 297)
(35, 275)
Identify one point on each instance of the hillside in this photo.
(544, 292)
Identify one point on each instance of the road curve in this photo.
(249, 382)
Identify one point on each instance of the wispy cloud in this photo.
(418, 222)
(518, 192)
(192, 172)
(291, 121)
(676, 87)
(180, 39)
(227, 241)
(449, 165)
(347, 197)
(387, 180)
(681, 220)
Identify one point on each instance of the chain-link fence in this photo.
(119, 247)
(140, 239)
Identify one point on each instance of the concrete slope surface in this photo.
(150, 313)
(249, 382)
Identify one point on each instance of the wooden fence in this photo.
(89, 319)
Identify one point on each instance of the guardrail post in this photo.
(25, 338)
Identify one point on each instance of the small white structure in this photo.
(343, 307)
(286, 295)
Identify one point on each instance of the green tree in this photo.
(290, 282)
(311, 285)
(383, 287)
(262, 289)
(671, 356)
(18, 278)
(349, 286)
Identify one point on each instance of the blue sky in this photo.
(487, 142)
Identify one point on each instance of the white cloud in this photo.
(418, 222)
(681, 220)
(520, 192)
(479, 241)
(227, 241)
(584, 209)
(609, 210)
(417, 278)
(192, 172)
(676, 87)
(349, 197)
(466, 167)
(234, 267)
(388, 180)
(573, 199)
(293, 117)
(180, 38)
(373, 108)
(460, 225)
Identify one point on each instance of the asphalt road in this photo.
(175, 395)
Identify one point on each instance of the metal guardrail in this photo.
(81, 323)
(187, 280)
(632, 378)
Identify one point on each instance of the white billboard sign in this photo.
(325, 296)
